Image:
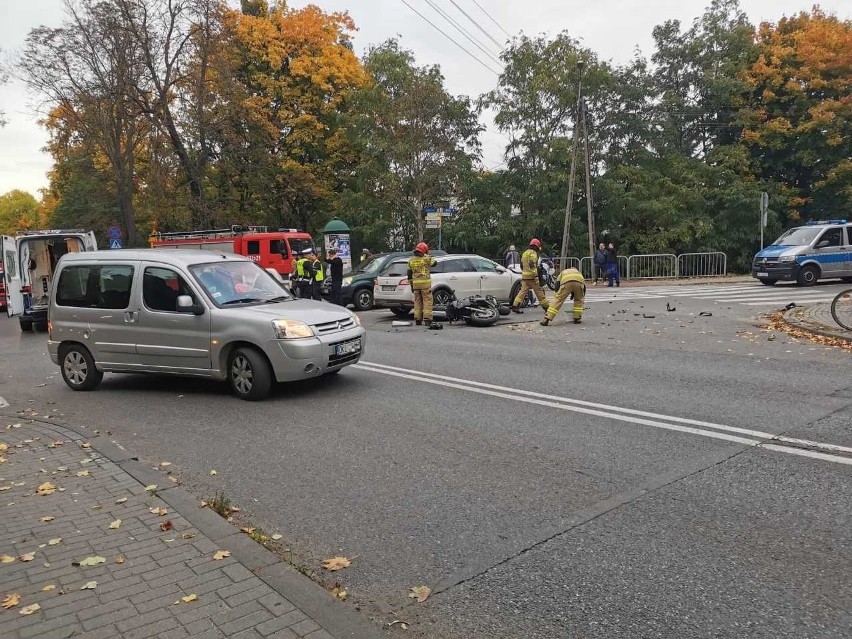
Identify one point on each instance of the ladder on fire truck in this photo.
(208, 234)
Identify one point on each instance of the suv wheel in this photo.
(249, 374)
(441, 297)
(362, 300)
(78, 368)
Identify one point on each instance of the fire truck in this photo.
(275, 250)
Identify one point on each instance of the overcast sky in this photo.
(613, 28)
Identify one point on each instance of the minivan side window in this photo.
(832, 237)
(95, 286)
(161, 287)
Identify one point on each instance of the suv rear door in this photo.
(11, 276)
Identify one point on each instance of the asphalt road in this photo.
(602, 480)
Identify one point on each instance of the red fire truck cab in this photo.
(276, 250)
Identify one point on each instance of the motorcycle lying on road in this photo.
(475, 310)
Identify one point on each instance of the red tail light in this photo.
(26, 289)
(403, 282)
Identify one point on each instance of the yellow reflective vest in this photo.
(300, 267)
(419, 267)
(529, 264)
(319, 270)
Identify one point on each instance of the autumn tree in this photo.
(418, 141)
(798, 113)
(84, 72)
(18, 211)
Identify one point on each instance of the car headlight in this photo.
(291, 329)
(357, 319)
(787, 258)
(347, 281)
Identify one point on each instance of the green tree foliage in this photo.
(18, 211)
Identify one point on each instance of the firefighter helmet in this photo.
(422, 247)
(535, 243)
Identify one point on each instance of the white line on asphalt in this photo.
(608, 411)
(810, 300)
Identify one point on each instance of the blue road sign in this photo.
(448, 212)
(115, 243)
(430, 209)
(114, 233)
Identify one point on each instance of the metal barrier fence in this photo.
(660, 265)
(713, 264)
(561, 263)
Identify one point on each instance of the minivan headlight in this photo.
(357, 319)
(786, 258)
(291, 329)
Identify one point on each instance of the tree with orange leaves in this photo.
(798, 122)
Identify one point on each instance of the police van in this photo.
(807, 254)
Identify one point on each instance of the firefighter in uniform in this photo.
(529, 277)
(317, 276)
(421, 284)
(571, 284)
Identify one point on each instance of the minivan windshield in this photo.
(232, 283)
(799, 236)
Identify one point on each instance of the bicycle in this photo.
(841, 309)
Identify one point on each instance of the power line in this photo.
(509, 35)
(476, 24)
(467, 34)
(443, 33)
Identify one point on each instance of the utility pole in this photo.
(569, 204)
(588, 162)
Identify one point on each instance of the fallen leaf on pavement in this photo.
(203, 504)
(115, 525)
(340, 593)
(277, 536)
(187, 535)
(336, 563)
(46, 518)
(151, 488)
(189, 598)
(48, 587)
(85, 445)
(166, 525)
(89, 585)
(28, 610)
(55, 541)
(247, 529)
(94, 560)
(159, 511)
(2, 488)
(213, 472)
(11, 600)
(28, 557)
(6, 559)
(164, 464)
(402, 624)
(45, 489)
(4, 448)
(119, 559)
(221, 554)
(82, 473)
(421, 593)
(121, 501)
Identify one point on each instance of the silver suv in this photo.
(194, 313)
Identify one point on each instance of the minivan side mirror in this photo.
(823, 244)
(186, 305)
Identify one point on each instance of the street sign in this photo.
(114, 233)
(430, 209)
(448, 212)
(115, 243)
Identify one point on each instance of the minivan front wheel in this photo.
(78, 368)
(808, 276)
(249, 374)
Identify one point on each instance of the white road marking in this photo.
(645, 418)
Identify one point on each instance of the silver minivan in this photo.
(188, 312)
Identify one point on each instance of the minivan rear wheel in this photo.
(78, 368)
(249, 374)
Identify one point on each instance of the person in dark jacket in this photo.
(600, 263)
(336, 276)
(612, 266)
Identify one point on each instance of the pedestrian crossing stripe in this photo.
(744, 294)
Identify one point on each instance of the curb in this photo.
(790, 319)
(332, 615)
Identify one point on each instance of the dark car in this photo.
(357, 286)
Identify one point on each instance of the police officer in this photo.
(529, 277)
(299, 275)
(304, 283)
(421, 284)
(317, 276)
(571, 283)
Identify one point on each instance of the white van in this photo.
(30, 259)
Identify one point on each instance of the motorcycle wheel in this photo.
(504, 310)
(483, 317)
(551, 283)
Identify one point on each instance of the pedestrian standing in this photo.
(513, 258)
(529, 277)
(612, 266)
(317, 276)
(600, 263)
(420, 277)
(335, 272)
(571, 284)
(365, 254)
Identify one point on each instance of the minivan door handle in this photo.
(130, 317)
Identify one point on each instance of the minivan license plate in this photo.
(348, 348)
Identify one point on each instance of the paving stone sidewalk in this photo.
(817, 318)
(159, 576)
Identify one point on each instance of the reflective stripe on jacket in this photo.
(319, 271)
(529, 264)
(300, 267)
(419, 267)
